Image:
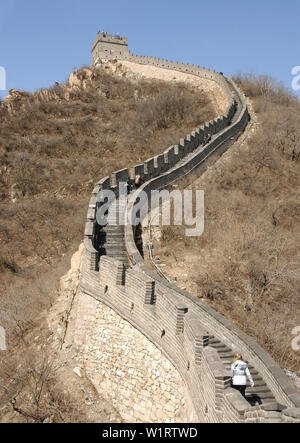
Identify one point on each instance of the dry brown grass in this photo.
(249, 262)
(35, 388)
(53, 152)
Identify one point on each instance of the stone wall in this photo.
(177, 323)
(125, 367)
(180, 331)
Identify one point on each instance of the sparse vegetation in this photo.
(248, 262)
(53, 149)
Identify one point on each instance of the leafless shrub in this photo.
(30, 384)
(262, 86)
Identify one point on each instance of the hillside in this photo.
(54, 145)
(246, 265)
(53, 152)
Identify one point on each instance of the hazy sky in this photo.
(42, 41)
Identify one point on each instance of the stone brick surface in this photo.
(125, 367)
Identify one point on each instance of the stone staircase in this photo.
(111, 238)
(260, 394)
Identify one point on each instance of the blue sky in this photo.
(42, 41)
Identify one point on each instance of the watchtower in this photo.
(108, 46)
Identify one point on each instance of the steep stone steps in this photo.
(260, 393)
(111, 237)
(262, 389)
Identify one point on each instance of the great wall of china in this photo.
(197, 340)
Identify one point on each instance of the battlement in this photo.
(109, 46)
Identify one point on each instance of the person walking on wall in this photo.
(138, 181)
(129, 185)
(239, 374)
